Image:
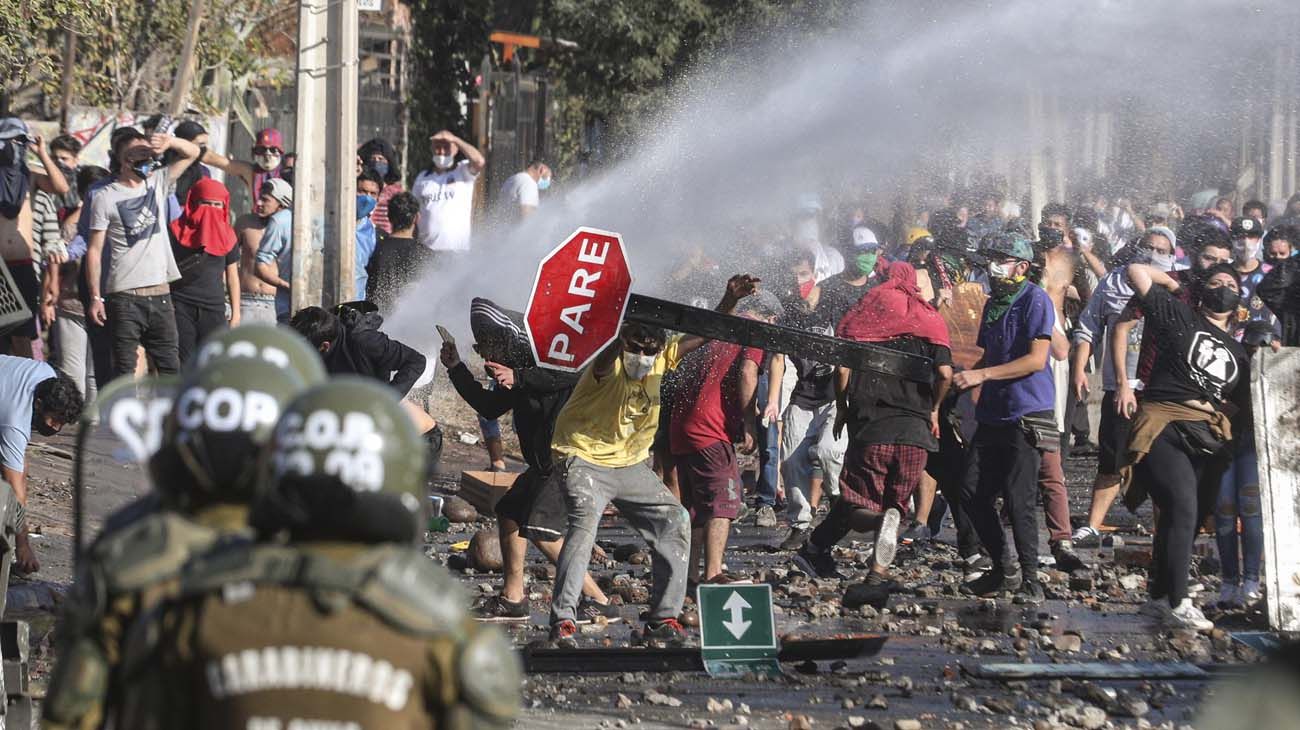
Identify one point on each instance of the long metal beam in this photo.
(539, 660)
(775, 338)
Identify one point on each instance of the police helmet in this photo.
(279, 345)
(344, 463)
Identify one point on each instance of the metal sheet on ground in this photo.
(1088, 670)
(13, 309)
(119, 432)
(1276, 396)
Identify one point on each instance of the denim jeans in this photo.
(147, 321)
(194, 322)
(1239, 499)
(769, 453)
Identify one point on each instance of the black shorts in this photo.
(29, 287)
(1113, 433)
(536, 504)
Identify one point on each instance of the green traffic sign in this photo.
(737, 629)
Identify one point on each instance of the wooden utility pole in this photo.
(185, 71)
(69, 72)
(324, 201)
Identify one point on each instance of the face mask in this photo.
(1163, 261)
(637, 366)
(365, 205)
(144, 168)
(380, 167)
(1246, 249)
(1000, 270)
(544, 183)
(442, 162)
(867, 261)
(805, 288)
(267, 162)
(1220, 300)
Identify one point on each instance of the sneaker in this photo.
(1030, 592)
(814, 562)
(992, 583)
(874, 592)
(1194, 588)
(664, 632)
(1188, 616)
(1086, 536)
(795, 540)
(1251, 592)
(766, 516)
(975, 566)
(1230, 596)
(1156, 608)
(743, 512)
(564, 634)
(1084, 447)
(498, 610)
(1066, 558)
(887, 538)
(916, 533)
(588, 610)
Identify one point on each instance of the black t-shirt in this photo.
(1195, 360)
(884, 409)
(202, 279)
(838, 297)
(815, 386)
(395, 263)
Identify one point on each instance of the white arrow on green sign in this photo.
(737, 629)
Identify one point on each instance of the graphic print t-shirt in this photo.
(136, 237)
(1195, 360)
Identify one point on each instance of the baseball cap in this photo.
(1244, 227)
(864, 237)
(762, 303)
(278, 189)
(14, 128)
(270, 137)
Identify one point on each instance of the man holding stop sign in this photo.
(602, 444)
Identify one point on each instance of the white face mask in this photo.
(1000, 270)
(268, 161)
(1246, 249)
(442, 162)
(637, 366)
(1163, 261)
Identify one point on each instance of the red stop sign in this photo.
(578, 299)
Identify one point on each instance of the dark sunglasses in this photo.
(266, 150)
(639, 349)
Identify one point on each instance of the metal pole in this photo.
(309, 173)
(185, 72)
(340, 164)
(69, 73)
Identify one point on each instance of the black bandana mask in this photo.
(1220, 300)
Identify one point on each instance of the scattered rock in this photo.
(717, 707)
(699, 722)
(877, 702)
(907, 724)
(800, 722)
(623, 702)
(458, 510)
(1131, 582)
(485, 551)
(1068, 642)
(655, 697)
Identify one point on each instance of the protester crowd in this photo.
(143, 269)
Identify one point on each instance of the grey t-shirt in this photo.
(19, 377)
(136, 223)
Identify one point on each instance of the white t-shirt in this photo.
(136, 241)
(520, 189)
(446, 203)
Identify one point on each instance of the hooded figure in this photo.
(15, 179)
(389, 172)
(205, 226)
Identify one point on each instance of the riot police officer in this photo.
(349, 625)
(203, 476)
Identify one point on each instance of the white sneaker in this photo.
(1086, 537)
(1195, 588)
(887, 538)
(1156, 608)
(1188, 616)
(1230, 596)
(1251, 593)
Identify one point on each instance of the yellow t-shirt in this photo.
(611, 421)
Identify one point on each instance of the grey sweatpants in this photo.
(809, 448)
(647, 505)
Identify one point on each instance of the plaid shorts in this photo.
(880, 476)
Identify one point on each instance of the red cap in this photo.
(270, 137)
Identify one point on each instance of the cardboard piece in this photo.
(483, 488)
